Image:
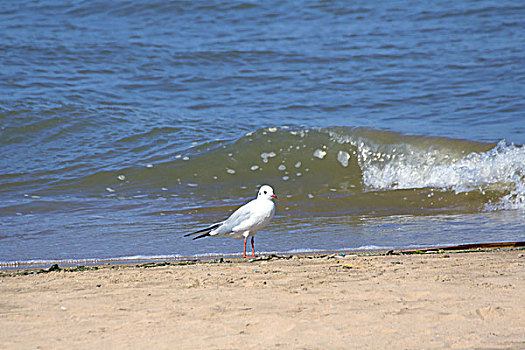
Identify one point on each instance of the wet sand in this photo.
(461, 300)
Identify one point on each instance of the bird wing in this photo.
(207, 229)
(225, 227)
(261, 212)
(250, 217)
(238, 217)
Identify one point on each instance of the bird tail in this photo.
(207, 231)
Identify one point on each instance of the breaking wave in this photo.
(332, 171)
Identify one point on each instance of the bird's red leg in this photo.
(253, 247)
(244, 250)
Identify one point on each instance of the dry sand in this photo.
(427, 301)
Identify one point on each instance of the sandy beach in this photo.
(461, 300)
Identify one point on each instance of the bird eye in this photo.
(264, 192)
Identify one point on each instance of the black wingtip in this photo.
(201, 236)
(207, 230)
(194, 233)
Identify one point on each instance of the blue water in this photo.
(121, 123)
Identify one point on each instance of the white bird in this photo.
(246, 220)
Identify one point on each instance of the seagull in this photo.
(246, 220)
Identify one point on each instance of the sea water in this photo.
(124, 125)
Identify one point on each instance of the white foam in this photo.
(319, 153)
(514, 200)
(266, 155)
(343, 158)
(500, 169)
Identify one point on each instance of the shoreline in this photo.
(6, 267)
(468, 298)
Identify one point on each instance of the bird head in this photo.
(266, 192)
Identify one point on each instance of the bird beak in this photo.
(273, 196)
